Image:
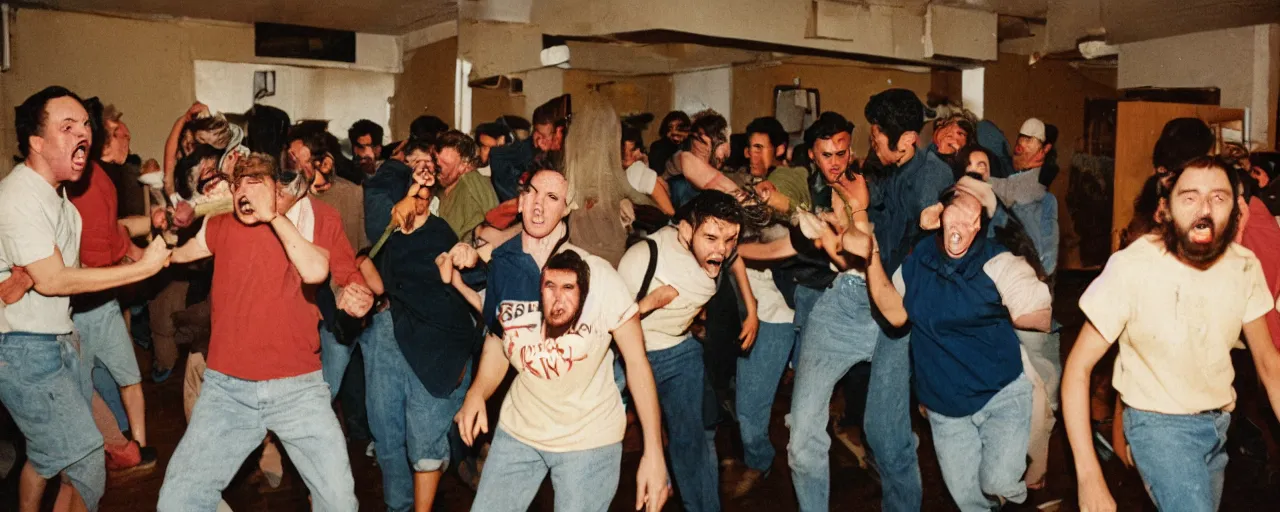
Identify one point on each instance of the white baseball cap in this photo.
(1033, 128)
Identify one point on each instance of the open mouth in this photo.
(244, 206)
(80, 156)
(1201, 232)
(714, 263)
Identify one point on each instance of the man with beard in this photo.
(564, 413)
(366, 147)
(264, 370)
(550, 127)
(41, 382)
(515, 270)
(1176, 301)
(686, 261)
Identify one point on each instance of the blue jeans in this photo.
(104, 337)
(583, 480)
(42, 386)
(411, 427)
(334, 358)
(108, 355)
(229, 421)
(805, 299)
(1182, 458)
(985, 453)
(691, 447)
(839, 333)
(758, 374)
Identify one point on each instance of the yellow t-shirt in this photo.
(1176, 324)
(564, 397)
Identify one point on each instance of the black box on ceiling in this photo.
(298, 42)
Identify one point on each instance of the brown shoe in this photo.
(748, 481)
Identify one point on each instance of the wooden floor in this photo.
(853, 489)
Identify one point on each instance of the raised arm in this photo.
(174, 140)
(885, 292)
(703, 176)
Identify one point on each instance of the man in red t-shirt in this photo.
(105, 242)
(264, 365)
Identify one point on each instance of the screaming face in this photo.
(961, 224)
(561, 300)
(1202, 217)
(544, 204)
(63, 140)
(711, 243)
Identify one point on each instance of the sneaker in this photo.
(851, 438)
(130, 458)
(749, 480)
(159, 374)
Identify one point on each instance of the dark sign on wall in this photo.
(298, 42)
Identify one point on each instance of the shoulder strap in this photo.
(648, 273)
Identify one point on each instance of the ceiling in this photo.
(372, 16)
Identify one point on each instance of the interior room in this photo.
(1088, 94)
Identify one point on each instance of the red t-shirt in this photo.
(103, 241)
(265, 321)
(1262, 236)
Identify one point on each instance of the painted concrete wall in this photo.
(145, 67)
(426, 86)
(1242, 62)
(700, 90)
(340, 96)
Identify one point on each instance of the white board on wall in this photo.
(700, 90)
(341, 96)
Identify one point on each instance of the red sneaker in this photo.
(129, 458)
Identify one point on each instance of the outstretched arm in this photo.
(472, 418)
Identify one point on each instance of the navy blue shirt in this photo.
(964, 348)
(898, 199)
(433, 324)
(506, 164)
(514, 283)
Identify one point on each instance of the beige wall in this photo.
(426, 86)
(488, 104)
(628, 95)
(844, 89)
(144, 67)
(1055, 92)
(1242, 62)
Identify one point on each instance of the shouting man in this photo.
(1176, 301)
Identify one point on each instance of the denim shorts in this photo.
(41, 385)
(104, 336)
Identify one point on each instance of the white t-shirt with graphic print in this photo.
(564, 397)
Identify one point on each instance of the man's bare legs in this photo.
(134, 407)
(425, 484)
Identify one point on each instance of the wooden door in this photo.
(1138, 126)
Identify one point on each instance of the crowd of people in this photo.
(382, 293)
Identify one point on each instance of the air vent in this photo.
(298, 42)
